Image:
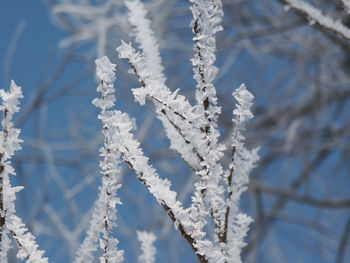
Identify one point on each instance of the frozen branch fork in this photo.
(192, 131)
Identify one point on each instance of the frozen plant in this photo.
(316, 16)
(10, 224)
(148, 250)
(90, 21)
(104, 215)
(193, 133)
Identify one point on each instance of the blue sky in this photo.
(36, 42)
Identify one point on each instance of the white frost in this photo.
(193, 132)
(148, 249)
(13, 225)
(243, 161)
(145, 38)
(104, 217)
(92, 21)
(316, 16)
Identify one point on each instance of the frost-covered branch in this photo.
(145, 37)
(148, 249)
(316, 16)
(243, 161)
(194, 141)
(104, 214)
(10, 224)
(92, 21)
(179, 118)
(207, 17)
(159, 188)
(197, 129)
(124, 142)
(28, 249)
(117, 126)
(346, 4)
(173, 110)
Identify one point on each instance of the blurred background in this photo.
(299, 194)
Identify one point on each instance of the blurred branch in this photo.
(331, 204)
(343, 242)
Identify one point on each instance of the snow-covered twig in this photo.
(193, 133)
(207, 17)
(28, 249)
(346, 4)
(243, 161)
(190, 146)
(9, 222)
(144, 36)
(148, 249)
(92, 21)
(178, 116)
(104, 214)
(172, 109)
(316, 16)
(159, 188)
(123, 141)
